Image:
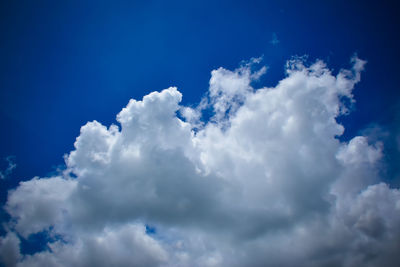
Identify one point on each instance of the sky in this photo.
(199, 133)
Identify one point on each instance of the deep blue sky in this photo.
(63, 63)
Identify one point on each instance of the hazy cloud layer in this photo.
(265, 182)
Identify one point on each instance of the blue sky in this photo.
(63, 64)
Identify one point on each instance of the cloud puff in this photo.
(264, 182)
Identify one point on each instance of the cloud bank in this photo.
(264, 182)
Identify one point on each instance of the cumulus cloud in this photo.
(264, 182)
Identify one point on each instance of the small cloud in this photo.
(274, 40)
(11, 166)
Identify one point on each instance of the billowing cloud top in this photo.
(264, 182)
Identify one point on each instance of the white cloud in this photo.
(124, 246)
(39, 203)
(265, 182)
(9, 249)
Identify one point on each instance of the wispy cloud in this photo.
(10, 167)
(274, 39)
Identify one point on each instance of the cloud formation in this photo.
(264, 182)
